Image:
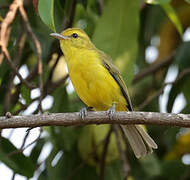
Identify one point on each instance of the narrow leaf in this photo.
(157, 1)
(17, 161)
(46, 12)
(173, 17)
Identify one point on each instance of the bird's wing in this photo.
(107, 62)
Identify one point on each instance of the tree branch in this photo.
(154, 68)
(73, 119)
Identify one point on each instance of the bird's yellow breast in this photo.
(93, 82)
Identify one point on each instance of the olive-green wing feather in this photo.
(107, 62)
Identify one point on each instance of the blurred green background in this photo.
(149, 41)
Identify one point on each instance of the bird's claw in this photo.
(83, 113)
(111, 112)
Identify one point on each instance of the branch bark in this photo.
(73, 119)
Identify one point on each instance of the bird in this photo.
(99, 84)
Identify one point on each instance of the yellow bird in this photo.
(99, 84)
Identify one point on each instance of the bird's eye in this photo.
(75, 35)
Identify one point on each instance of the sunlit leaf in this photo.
(173, 17)
(46, 12)
(157, 1)
(151, 165)
(165, 4)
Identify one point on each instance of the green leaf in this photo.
(114, 171)
(116, 33)
(158, 1)
(173, 17)
(46, 12)
(8, 161)
(37, 150)
(61, 134)
(173, 169)
(151, 165)
(165, 4)
(69, 166)
(75, 169)
(18, 162)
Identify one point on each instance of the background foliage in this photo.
(149, 43)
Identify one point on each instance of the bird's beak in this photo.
(59, 36)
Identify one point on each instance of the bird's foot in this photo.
(84, 112)
(111, 111)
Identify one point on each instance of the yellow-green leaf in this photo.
(46, 12)
(157, 1)
(173, 17)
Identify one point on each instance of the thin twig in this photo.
(5, 25)
(4, 38)
(15, 70)
(23, 143)
(104, 153)
(8, 94)
(150, 98)
(5, 44)
(13, 176)
(182, 74)
(48, 89)
(23, 147)
(38, 51)
(41, 130)
(122, 153)
(24, 140)
(153, 68)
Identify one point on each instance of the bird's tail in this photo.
(138, 138)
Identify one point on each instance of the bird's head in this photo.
(73, 39)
